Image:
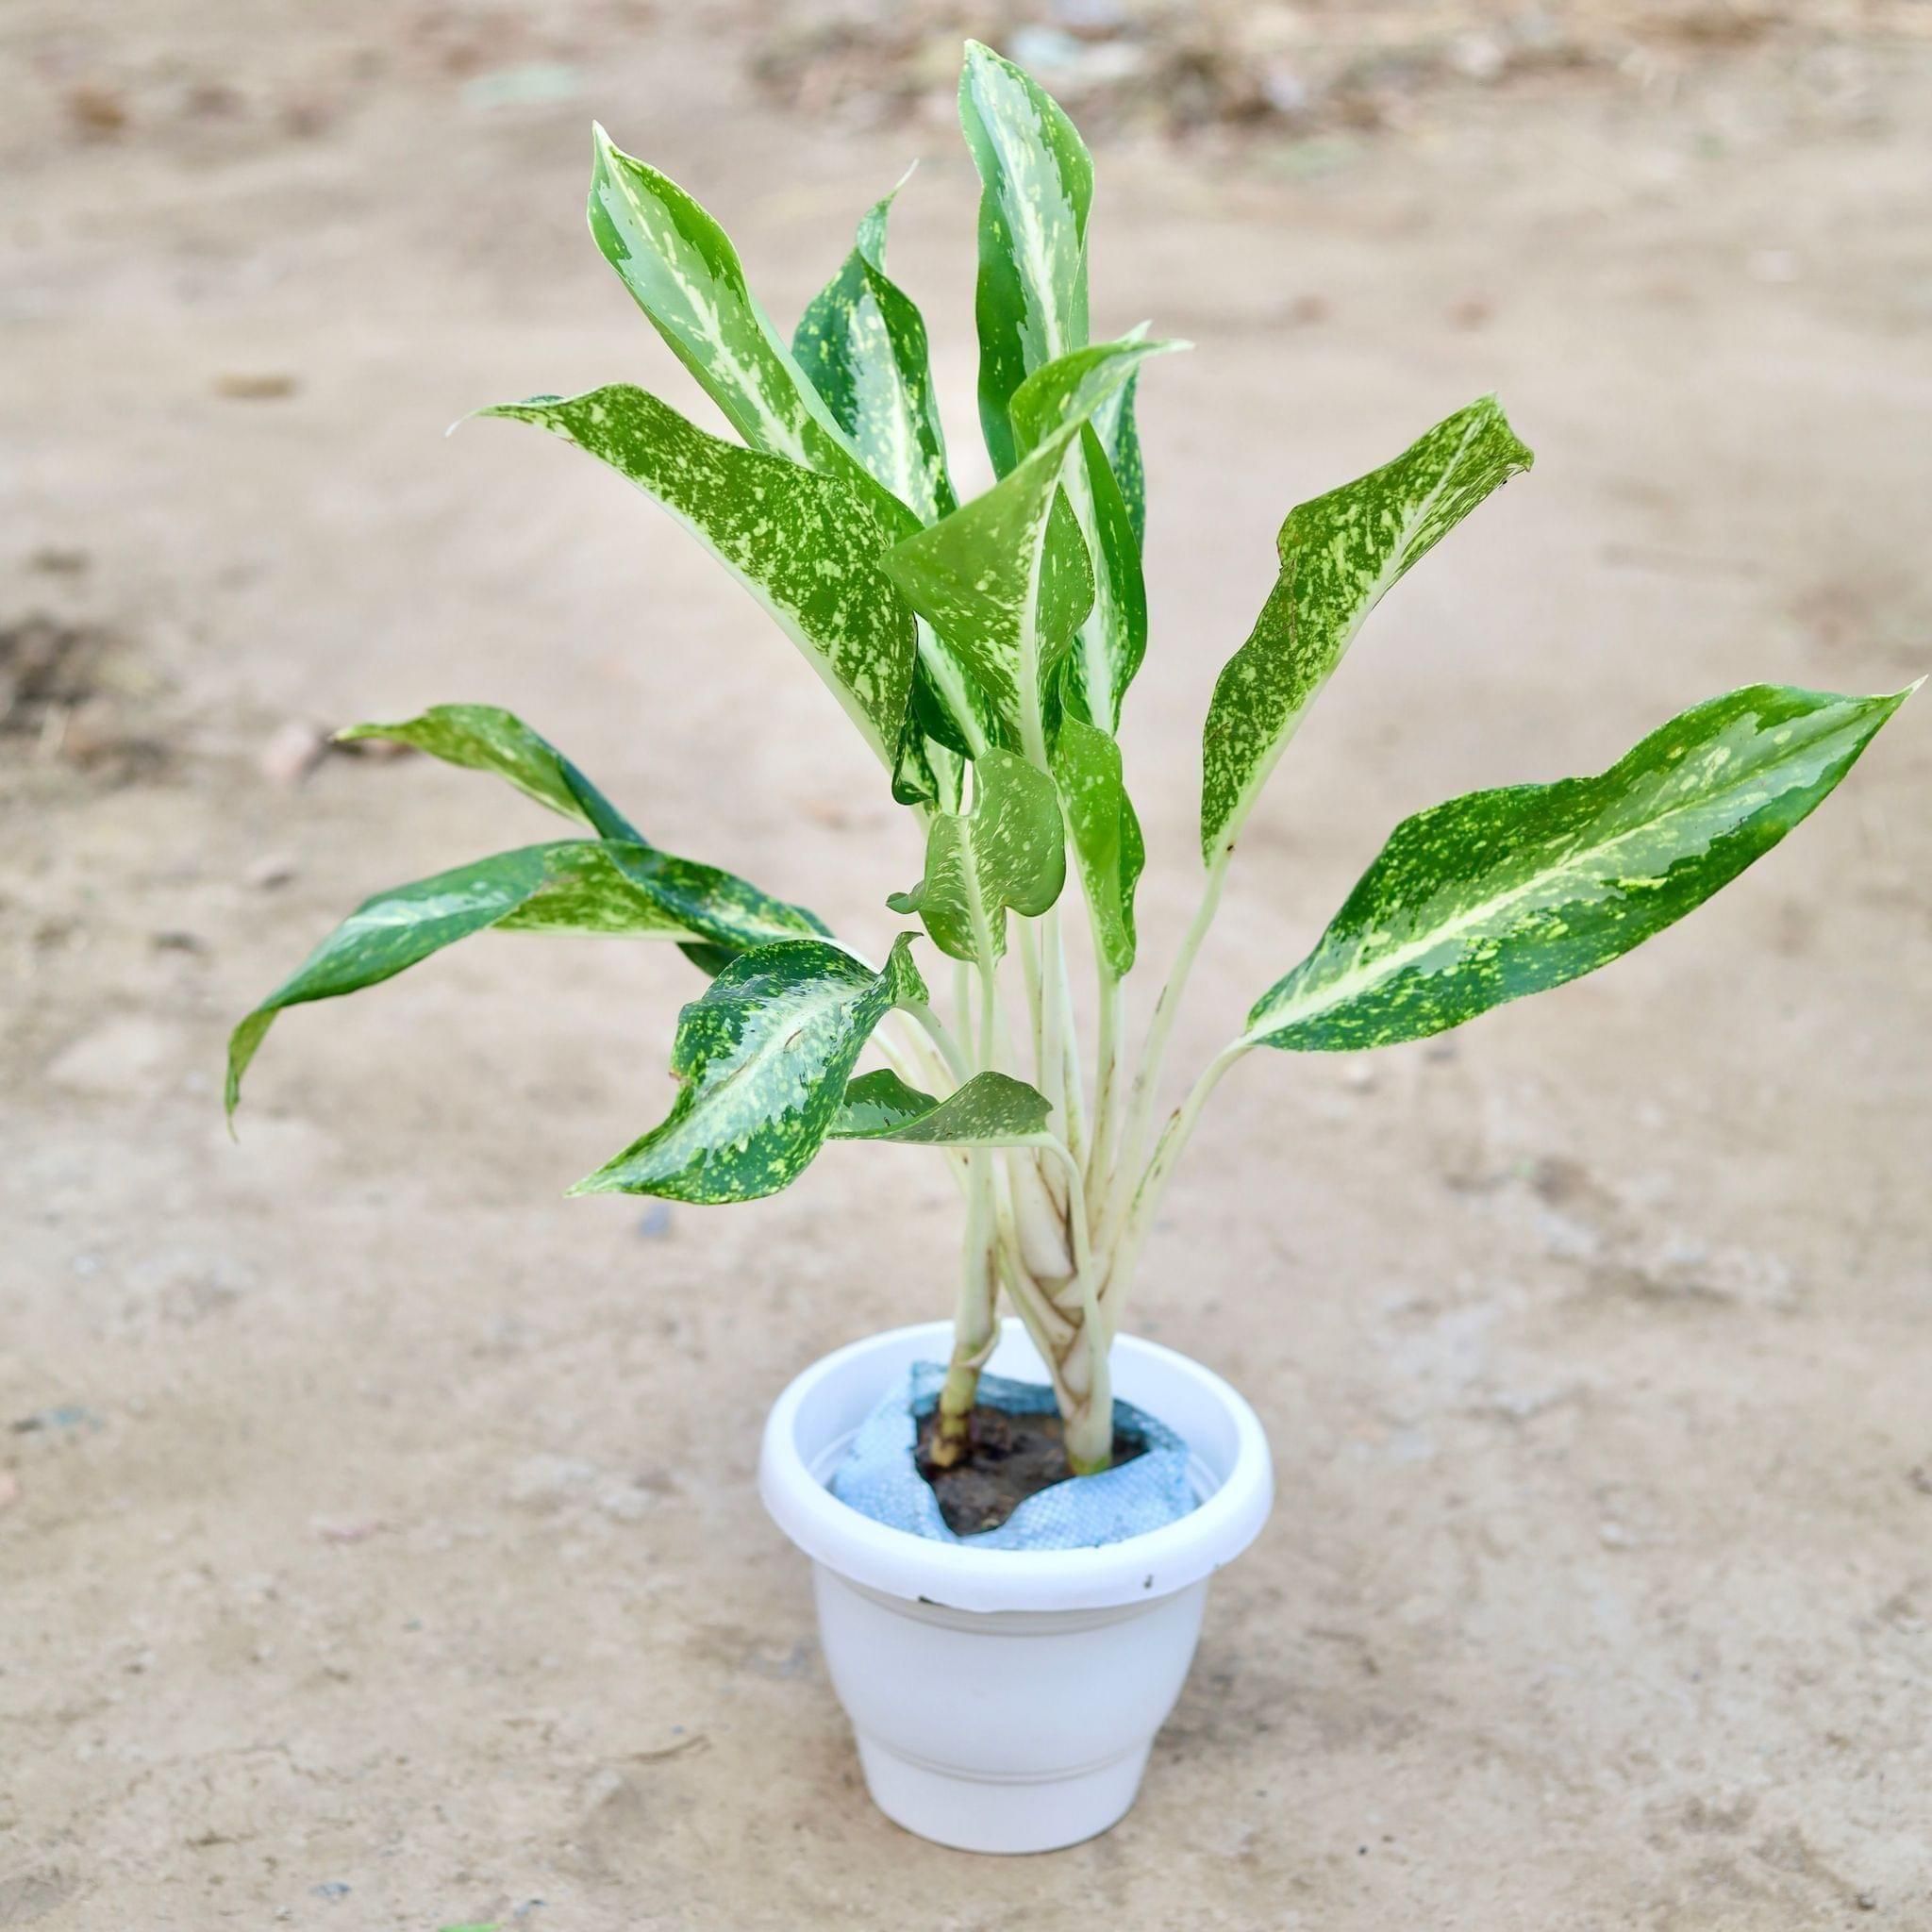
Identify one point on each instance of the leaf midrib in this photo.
(1350, 984)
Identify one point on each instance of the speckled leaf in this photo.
(952, 716)
(1339, 555)
(1009, 852)
(1006, 577)
(1106, 834)
(578, 884)
(1037, 185)
(763, 1059)
(481, 738)
(990, 1110)
(1120, 441)
(1112, 638)
(685, 275)
(862, 343)
(1502, 893)
(928, 771)
(485, 739)
(803, 544)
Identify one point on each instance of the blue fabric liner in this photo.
(880, 1479)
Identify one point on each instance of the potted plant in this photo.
(1006, 1687)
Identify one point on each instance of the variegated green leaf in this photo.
(1037, 185)
(990, 1110)
(1339, 555)
(1036, 181)
(1120, 442)
(1006, 577)
(1009, 852)
(685, 275)
(952, 718)
(1501, 894)
(481, 738)
(863, 345)
(802, 543)
(1105, 835)
(928, 771)
(1112, 638)
(578, 885)
(763, 1059)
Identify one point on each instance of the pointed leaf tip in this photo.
(1339, 555)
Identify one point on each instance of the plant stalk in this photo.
(1153, 1054)
(974, 1329)
(1146, 1195)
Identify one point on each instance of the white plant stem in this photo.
(1154, 1052)
(1152, 1182)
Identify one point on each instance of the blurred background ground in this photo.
(377, 1538)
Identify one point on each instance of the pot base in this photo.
(1010, 1815)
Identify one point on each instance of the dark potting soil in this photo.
(1011, 1458)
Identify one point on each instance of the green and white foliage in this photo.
(985, 651)
(803, 544)
(1506, 892)
(763, 1058)
(1106, 836)
(682, 268)
(604, 887)
(989, 1110)
(1340, 555)
(1006, 576)
(1008, 852)
(482, 738)
(1036, 188)
(863, 345)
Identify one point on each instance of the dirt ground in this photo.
(378, 1545)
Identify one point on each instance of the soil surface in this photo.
(1010, 1458)
(378, 1538)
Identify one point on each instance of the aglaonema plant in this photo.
(984, 651)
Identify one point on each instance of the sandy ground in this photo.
(377, 1537)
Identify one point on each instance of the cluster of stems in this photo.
(1057, 1224)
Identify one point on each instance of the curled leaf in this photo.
(1010, 851)
(862, 343)
(762, 1058)
(989, 1110)
(482, 738)
(580, 886)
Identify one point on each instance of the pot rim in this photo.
(1140, 1569)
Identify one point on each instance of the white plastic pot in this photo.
(1006, 1700)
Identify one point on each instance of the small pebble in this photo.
(255, 386)
(294, 750)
